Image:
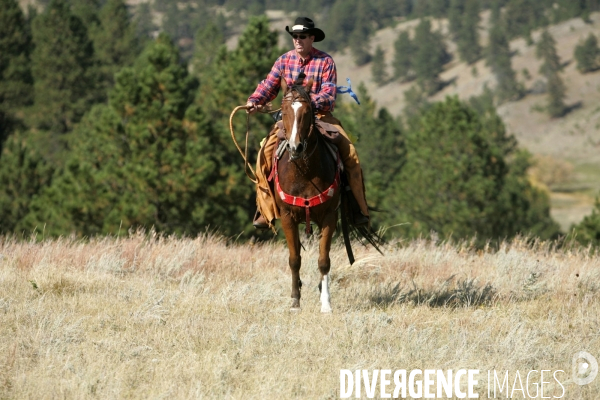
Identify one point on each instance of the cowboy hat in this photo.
(306, 25)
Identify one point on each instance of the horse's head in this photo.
(297, 115)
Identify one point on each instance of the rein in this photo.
(247, 167)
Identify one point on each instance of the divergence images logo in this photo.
(585, 368)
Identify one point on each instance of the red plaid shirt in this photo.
(318, 65)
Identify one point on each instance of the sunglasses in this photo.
(301, 37)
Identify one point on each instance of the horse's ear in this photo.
(284, 86)
(308, 85)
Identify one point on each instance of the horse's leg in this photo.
(290, 229)
(327, 230)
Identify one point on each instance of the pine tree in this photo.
(170, 22)
(207, 43)
(551, 67)
(380, 145)
(24, 173)
(236, 73)
(458, 182)
(378, 67)
(115, 43)
(567, 9)
(359, 38)
(455, 17)
(87, 11)
(16, 83)
(430, 57)
(523, 16)
(499, 60)
(468, 38)
(586, 54)
(403, 54)
(341, 24)
(144, 25)
(587, 232)
(62, 66)
(151, 158)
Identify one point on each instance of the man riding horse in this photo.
(304, 62)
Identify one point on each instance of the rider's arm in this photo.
(268, 88)
(324, 100)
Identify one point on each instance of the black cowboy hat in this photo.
(306, 25)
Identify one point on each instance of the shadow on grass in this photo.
(464, 293)
(572, 107)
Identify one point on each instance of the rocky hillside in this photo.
(568, 148)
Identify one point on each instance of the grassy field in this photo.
(153, 317)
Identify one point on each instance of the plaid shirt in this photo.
(318, 65)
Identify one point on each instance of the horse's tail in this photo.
(362, 233)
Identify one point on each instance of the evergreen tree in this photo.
(455, 17)
(438, 8)
(380, 146)
(24, 173)
(341, 24)
(87, 11)
(421, 9)
(359, 38)
(170, 22)
(587, 232)
(523, 16)
(457, 180)
(468, 37)
(208, 41)
(144, 25)
(151, 158)
(63, 67)
(403, 54)
(115, 42)
(499, 60)
(16, 83)
(551, 67)
(586, 54)
(567, 9)
(234, 74)
(430, 57)
(378, 67)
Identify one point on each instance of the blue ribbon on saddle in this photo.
(348, 89)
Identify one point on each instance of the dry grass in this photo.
(152, 317)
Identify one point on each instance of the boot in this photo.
(358, 202)
(357, 218)
(259, 221)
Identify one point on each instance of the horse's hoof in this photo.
(295, 305)
(326, 309)
(295, 309)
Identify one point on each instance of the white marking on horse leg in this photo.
(296, 106)
(325, 305)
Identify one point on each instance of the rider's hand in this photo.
(252, 108)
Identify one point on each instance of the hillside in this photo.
(573, 139)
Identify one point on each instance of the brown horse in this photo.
(307, 186)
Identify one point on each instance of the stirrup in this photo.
(260, 222)
(359, 219)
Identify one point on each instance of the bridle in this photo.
(302, 96)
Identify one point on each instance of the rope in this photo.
(247, 167)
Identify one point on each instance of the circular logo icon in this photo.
(585, 368)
